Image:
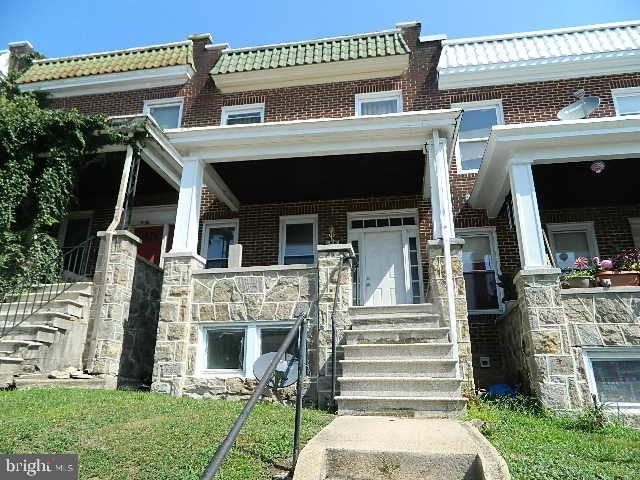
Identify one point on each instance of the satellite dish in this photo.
(286, 372)
(581, 108)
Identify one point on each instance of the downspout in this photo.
(108, 239)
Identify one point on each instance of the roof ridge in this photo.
(313, 40)
(112, 52)
(542, 33)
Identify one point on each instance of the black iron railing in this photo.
(299, 328)
(21, 301)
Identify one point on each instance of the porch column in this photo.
(441, 206)
(185, 237)
(527, 216)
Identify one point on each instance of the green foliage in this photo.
(539, 444)
(41, 151)
(140, 436)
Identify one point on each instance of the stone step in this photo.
(392, 309)
(411, 351)
(424, 387)
(20, 309)
(396, 335)
(396, 320)
(93, 383)
(436, 407)
(434, 368)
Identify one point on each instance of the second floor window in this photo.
(474, 133)
(239, 114)
(379, 103)
(627, 100)
(167, 112)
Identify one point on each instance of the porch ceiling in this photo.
(325, 178)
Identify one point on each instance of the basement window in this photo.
(167, 112)
(475, 129)
(243, 114)
(298, 239)
(626, 100)
(614, 375)
(379, 103)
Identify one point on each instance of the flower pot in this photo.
(619, 279)
(577, 282)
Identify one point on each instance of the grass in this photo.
(136, 435)
(539, 445)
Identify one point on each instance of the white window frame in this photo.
(612, 354)
(407, 231)
(252, 347)
(635, 230)
(478, 105)
(165, 102)
(296, 219)
(206, 226)
(568, 227)
(495, 253)
(246, 108)
(616, 93)
(361, 98)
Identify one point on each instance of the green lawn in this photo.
(542, 446)
(135, 435)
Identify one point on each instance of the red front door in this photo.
(151, 245)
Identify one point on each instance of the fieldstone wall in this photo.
(136, 362)
(546, 332)
(438, 295)
(113, 282)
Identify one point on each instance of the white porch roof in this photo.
(550, 142)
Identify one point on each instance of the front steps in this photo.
(399, 360)
(50, 338)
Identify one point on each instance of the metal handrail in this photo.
(300, 328)
(28, 297)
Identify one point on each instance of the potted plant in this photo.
(580, 276)
(622, 271)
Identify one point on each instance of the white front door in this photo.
(384, 275)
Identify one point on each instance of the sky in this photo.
(67, 27)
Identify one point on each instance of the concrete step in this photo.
(396, 335)
(12, 345)
(396, 320)
(10, 364)
(392, 309)
(434, 368)
(20, 309)
(36, 382)
(399, 386)
(56, 320)
(46, 295)
(411, 351)
(436, 407)
(34, 335)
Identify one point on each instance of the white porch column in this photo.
(185, 237)
(527, 216)
(441, 206)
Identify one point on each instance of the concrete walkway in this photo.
(391, 448)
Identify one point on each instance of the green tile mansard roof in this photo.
(356, 47)
(117, 61)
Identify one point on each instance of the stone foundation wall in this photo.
(138, 347)
(546, 333)
(438, 295)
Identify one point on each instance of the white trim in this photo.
(495, 253)
(252, 346)
(538, 70)
(153, 216)
(477, 105)
(574, 227)
(164, 102)
(396, 95)
(394, 132)
(635, 230)
(75, 215)
(616, 93)
(113, 82)
(313, 74)
(246, 108)
(296, 219)
(608, 353)
(223, 222)
(359, 234)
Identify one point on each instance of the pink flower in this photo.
(581, 263)
(606, 264)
